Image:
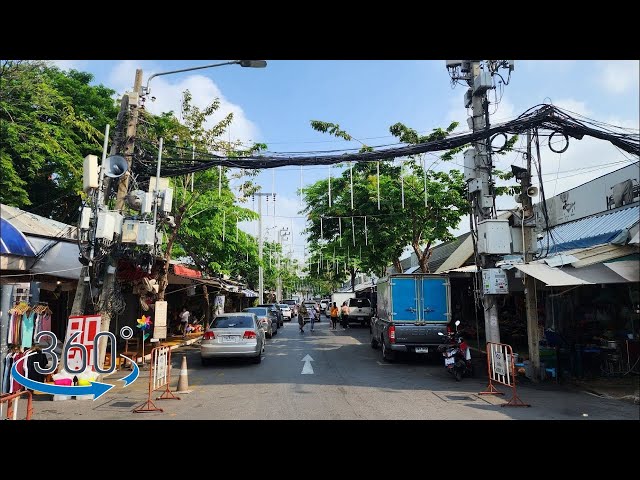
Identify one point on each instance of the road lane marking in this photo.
(307, 369)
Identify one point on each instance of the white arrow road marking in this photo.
(307, 369)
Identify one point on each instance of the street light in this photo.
(242, 63)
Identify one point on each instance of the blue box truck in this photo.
(412, 309)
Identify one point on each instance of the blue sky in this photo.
(274, 105)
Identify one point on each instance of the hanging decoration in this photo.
(366, 239)
(351, 182)
(378, 178)
(224, 224)
(300, 195)
(329, 186)
(321, 234)
(402, 181)
(353, 231)
(340, 229)
(236, 229)
(424, 169)
(219, 181)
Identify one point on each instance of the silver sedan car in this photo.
(233, 335)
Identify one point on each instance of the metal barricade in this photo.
(159, 377)
(11, 401)
(501, 369)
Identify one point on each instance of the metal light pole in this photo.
(260, 247)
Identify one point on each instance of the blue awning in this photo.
(13, 241)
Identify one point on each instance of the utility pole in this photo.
(260, 247)
(478, 170)
(533, 334)
(281, 234)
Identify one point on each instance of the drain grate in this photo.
(459, 397)
(123, 404)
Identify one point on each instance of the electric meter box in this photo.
(494, 281)
(494, 237)
(469, 164)
(163, 184)
(146, 233)
(105, 227)
(117, 222)
(167, 200)
(147, 203)
(130, 231)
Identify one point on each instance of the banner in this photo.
(88, 326)
(160, 325)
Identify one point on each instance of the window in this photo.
(359, 302)
(233, 322)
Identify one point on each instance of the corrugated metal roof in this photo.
(30, 223)
(459, 256)
(590, 231)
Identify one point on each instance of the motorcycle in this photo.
(457, 354)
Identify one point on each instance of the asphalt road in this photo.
(349, 381)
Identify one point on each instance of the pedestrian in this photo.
(334, 316)
(344, 315)
(312, 317)
(302, 312)
(184, 320)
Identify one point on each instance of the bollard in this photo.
(183, 379)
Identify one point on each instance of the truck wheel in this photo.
(374, 342)
(387, 355)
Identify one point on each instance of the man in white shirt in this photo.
(184, 319)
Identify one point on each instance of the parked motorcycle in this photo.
(457, 354)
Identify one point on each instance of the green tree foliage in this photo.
(49, 121)
(205, 216)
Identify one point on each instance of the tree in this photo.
(205, 215)
(434, 203)
(49, 121)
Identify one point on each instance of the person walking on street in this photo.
(312, 317)
(344, 315)
(184, 320)
(302, 312)
(334, 316)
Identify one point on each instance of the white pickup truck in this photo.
(359, 311)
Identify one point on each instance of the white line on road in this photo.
(307, 369)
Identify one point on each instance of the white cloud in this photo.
(619, 76)
(70, 64)
(168, 94)
(575, 106)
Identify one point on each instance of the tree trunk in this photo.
(397, 264)
(207, 312)
(423, 256)
(352, 271)
(163, 278)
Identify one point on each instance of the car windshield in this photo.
(260, 311)
(233, 322)
(359, 302)
(284, 306)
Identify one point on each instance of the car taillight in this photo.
(249, 334)
(209, 335)
(392, 334)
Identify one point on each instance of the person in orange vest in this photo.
(334, 316)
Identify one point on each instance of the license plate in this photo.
(422, 350)
(229, 339)
(449, 361)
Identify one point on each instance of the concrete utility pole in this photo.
(260, 246)
(284, 232)
(531, 300)
(479, 166)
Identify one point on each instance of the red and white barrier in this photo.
(501, 368)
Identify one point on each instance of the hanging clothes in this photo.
(34, 358)
(6, 374)
(45, 325)
(27, 329)
(15, 386)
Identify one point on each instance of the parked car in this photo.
(275, 307)
(266, 318)
(325, 303)
(286, 310)
(233, 335)
(293, 304)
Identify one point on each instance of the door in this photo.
(404, 299)
(435, 299)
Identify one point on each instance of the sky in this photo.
(275, 105)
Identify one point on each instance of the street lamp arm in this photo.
(243, 63)
(188, 70)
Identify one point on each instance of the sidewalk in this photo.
(172, 342)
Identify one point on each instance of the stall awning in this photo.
(568, 276)
(629, 269)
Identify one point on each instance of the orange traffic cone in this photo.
(183, 379)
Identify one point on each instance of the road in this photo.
(346, 379)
